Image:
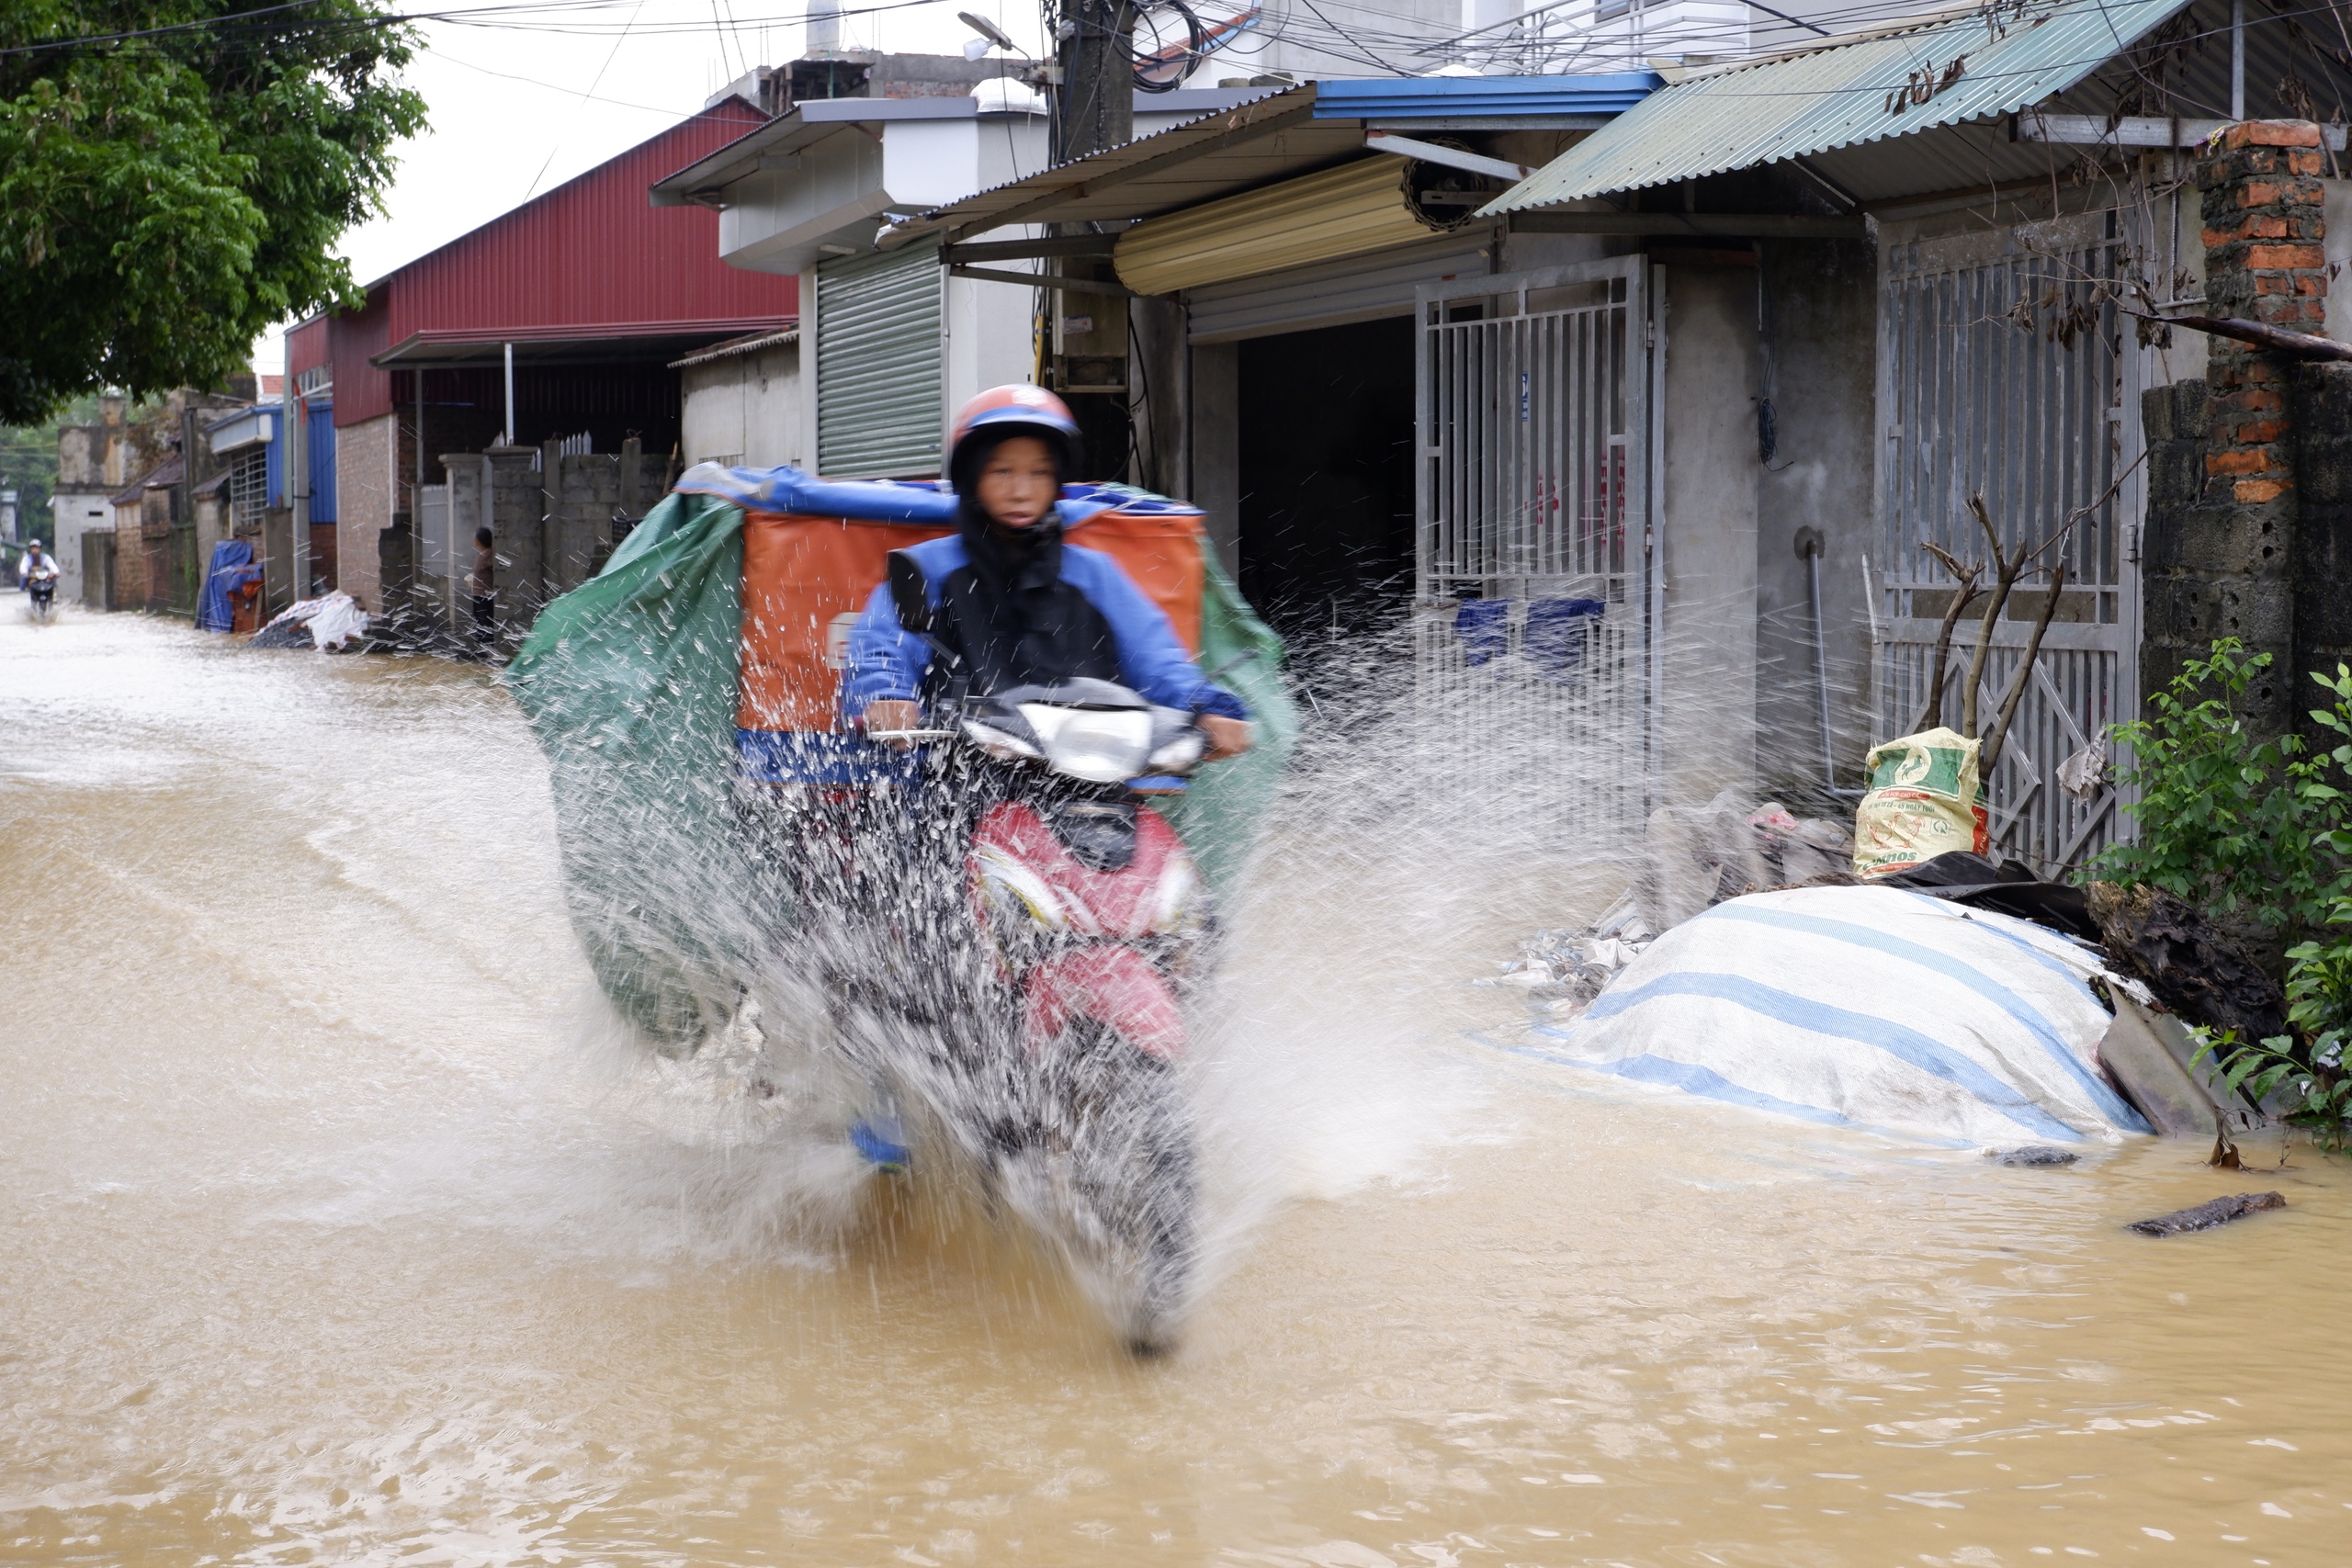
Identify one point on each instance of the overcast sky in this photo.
(519, 109)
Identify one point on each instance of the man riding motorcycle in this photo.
(1011, 602)
(1010, 605)
(37, 574)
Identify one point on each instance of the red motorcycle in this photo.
(1050, 1056)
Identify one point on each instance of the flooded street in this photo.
(333, 1230)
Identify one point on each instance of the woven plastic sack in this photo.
(631, 684)
(1923, 801)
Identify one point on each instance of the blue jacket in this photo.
(885, 660)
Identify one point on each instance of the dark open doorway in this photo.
(1327, 475)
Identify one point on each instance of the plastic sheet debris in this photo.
(326, 623)
(2084, 774)
(1562, 970)
(1695, 857)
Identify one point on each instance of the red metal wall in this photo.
(361, 392)
(308, 343)
(591, 253)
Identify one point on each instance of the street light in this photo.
(991, 36)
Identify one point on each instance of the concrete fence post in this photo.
(518, 535)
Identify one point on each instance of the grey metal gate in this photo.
(880, 369)
(1536, 613)
(2003, 371)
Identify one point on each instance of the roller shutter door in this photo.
(880, 367)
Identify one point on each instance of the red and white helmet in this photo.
(1017, 409)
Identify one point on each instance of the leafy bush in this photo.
(2230, 822)
(2309, 1072)
(2233, 823)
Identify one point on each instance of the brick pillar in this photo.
(2266, 262)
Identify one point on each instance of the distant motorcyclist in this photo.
(1011, 602)
(35, 566)
(37, 574)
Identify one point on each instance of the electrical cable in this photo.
(1360, 45)
(596, 82)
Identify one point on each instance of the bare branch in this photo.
(1963, 590)
(2000, 735)
(2279, 340)
(2005, 577)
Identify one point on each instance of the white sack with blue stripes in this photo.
(1871, 1007)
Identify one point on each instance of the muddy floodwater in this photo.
(334, 1229)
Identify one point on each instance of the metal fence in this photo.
(1533, 628)
(2007, 374)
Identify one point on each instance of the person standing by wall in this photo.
(482, 584)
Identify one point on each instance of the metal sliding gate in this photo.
(880, 365)
(1536, 605)
(2006, 371)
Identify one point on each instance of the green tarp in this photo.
(629, 682)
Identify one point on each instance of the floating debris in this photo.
(2033, 1157)
(1564, 970)
(2205, 1216)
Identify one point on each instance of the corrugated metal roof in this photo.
(1215, 155)
(1947, 70)
(589, 257)
(1274, 138)
(1431, 97)
(750, 343)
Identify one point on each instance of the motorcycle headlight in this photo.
(1099, 744)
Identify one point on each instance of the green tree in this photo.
(174, 175)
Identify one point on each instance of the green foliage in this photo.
(2233, 823)
(166, 198)
(2305, 1069)
(28, 464)
(2230, 822)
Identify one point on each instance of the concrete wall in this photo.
(988, 337)
(1213, 428)
(72, 512)
(745, 409)
(1821, 321)
(548, 535)
(1710, 544)
(366, 488)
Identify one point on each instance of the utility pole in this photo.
(1094, 46)
(1088, 332)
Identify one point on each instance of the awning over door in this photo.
(1345, 211)
(881, 377)
(1984, 61)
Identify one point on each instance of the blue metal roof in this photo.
(1945, 71)
(1436, 98)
